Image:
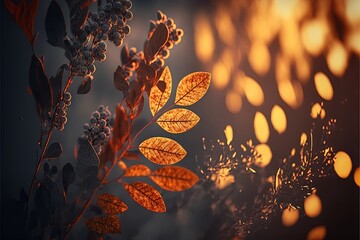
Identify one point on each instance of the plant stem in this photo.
(48, 138)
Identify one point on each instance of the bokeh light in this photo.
(261, 127)
(312, 206)
(343, 164)
(278, 119)
(323, 86)
(289, 216)
(317, 233)
(265, 155)
(357, 176)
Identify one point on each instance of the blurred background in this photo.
(285, 61)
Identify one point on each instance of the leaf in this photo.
(54, 151)
(192, 88)
(85, 86)
(156, 42)
(78, 15)
(160, 95)
(173, 178)
(24, 15)
(125, 55)
(55, 25)
(121, 130)
(87, 158)
(56, 84)
(178, 120)
(111, 204)
(139, 170)
(120, 82)
(104, 225)
(146, 196)
(68, 176)
(40, 87)
(161, 150)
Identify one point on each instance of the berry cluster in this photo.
(98, 130)
(175, 35)
(60, 118)
(109, 23)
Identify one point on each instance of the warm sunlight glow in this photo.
(317, 233)
(204, 39)
(240, 83)
(225, 26)
(289, 216)
(221, 75)
(303, 139)
(223, 178)
(278, 119)
(353, 40)
(313, 35)
(357, 176)
(312, 206)
(352, 10)
(266, 155)
(253, 92)
(259, 58)
(317, 111)
(233, 101)
(261, 127)
(337, 58)
(228, 134)
(343, 164)
(323, 86)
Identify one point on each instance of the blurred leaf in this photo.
(68, 176)
(160, 95)
(146, 196)
(85, 86)
(137, 171)
(111, 204)
(161, 150)
(178, 120)
(104, 225)
(192, 88)
(55, 25)
(121, 130)
(24, 15)
(173, 178)
(120, 82)
(156, 41)
(54, 151)
(87, 158)
(124, 55)
(40, 87)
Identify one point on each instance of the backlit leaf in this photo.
(158, 38)
(121, 129)
(173, 178)
(161, 150)
(111, 204)
(54, 151)
(160, 95)
(55, 25)
(137, 171)
(24, 15)
(178, 120)
(146, 196)
(192, 88)
(104, 225)
(85, 86)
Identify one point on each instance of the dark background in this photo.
(20, 126)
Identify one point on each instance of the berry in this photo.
(126, 29)
(128, 15)
(102, 45)
(63, 119)
(86, 126)
(96, 115)
(102, 123)
(101, 108)
(96, 129)
(104, 37)
(67, 96)
(106, 130)
(91, 68)
(128, 4)
(93, 120)
(117, 5)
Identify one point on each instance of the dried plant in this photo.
(48, 210)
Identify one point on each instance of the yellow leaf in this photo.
(178, 120)
(161, 150)
(173, 178)
(192, 87)
(146, 196)
(104, 225)
(111, 204)
(157, 97)
(137, 171)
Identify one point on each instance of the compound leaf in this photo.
(111, 204)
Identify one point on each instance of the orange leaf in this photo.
(158, 95)
(161, 150)
(173, 178)
(192, 87)
(24, 15)
(111, 204)
(178, 120)
(146, 196)
(104, 225)
(137, 171)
